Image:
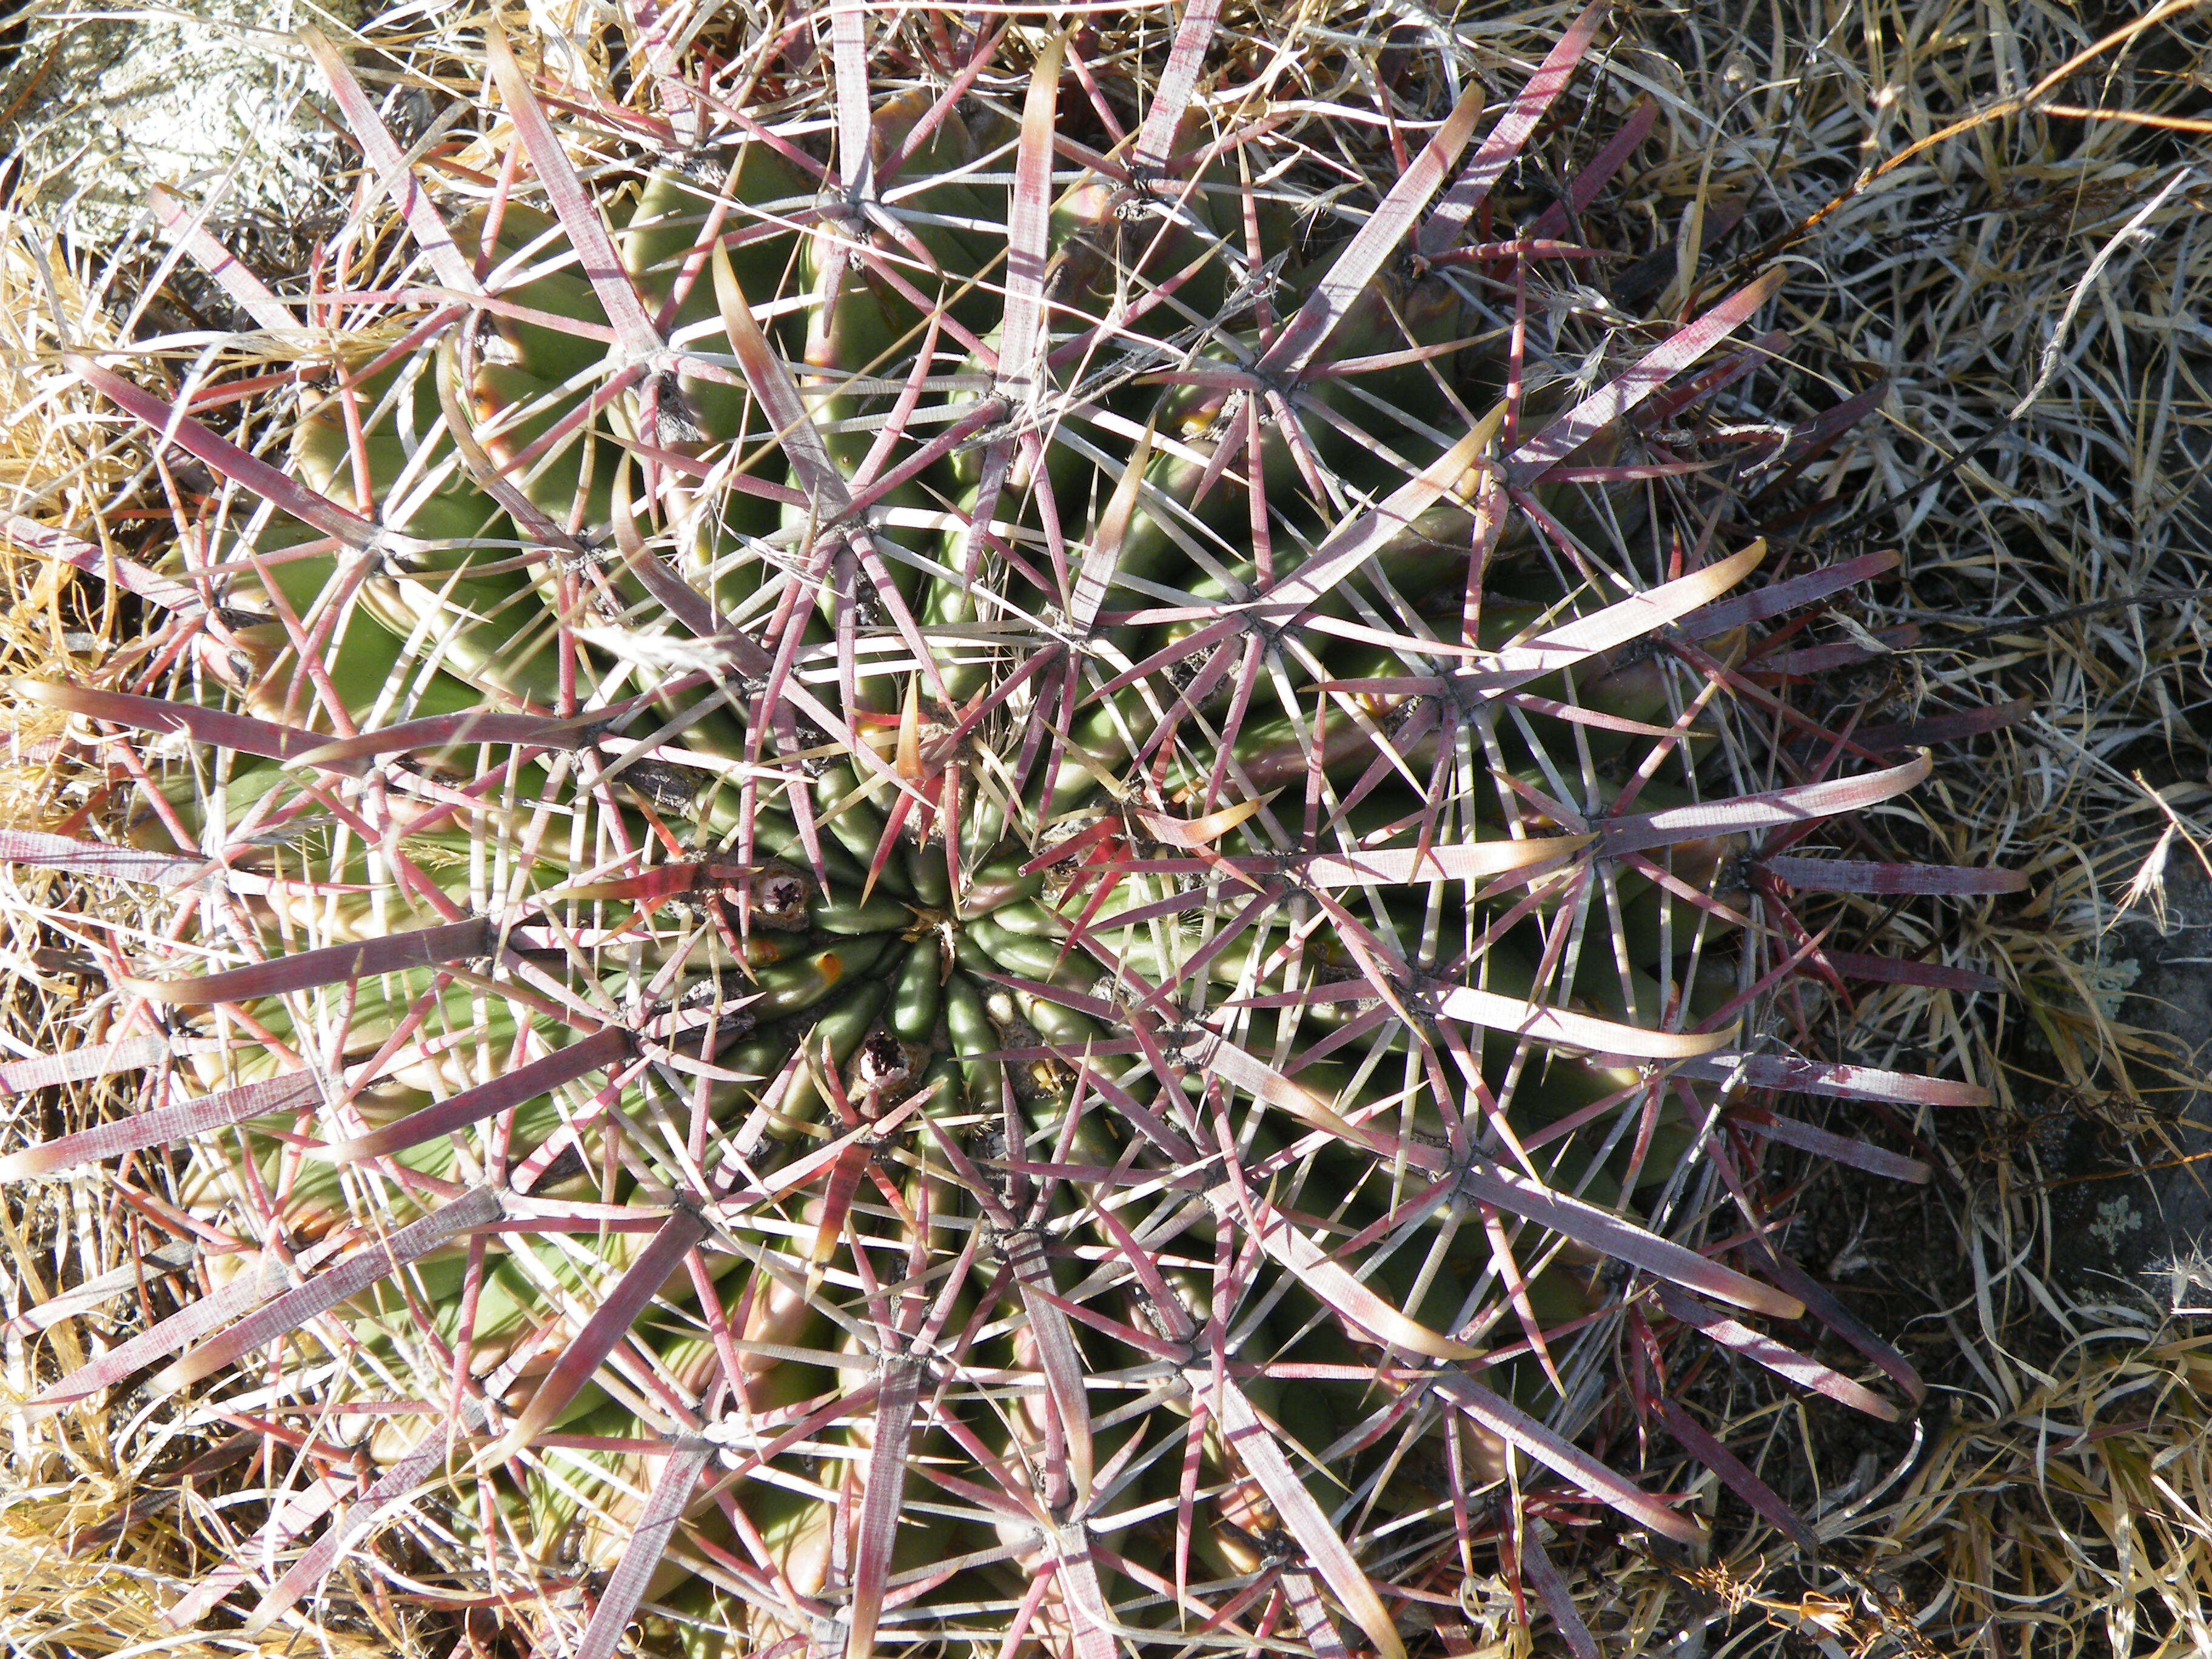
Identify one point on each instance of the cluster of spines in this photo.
(1039, 834)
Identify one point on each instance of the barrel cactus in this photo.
(951, 867)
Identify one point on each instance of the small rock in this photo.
(2132, 1197)
(112, 105)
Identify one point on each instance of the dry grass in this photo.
(2031, 289)
(60, 1591)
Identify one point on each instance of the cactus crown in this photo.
(955, 868)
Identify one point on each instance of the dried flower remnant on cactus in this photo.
(940, 883)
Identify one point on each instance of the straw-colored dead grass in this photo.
(2031, 289)
(2036, 280)
(2077, 1523)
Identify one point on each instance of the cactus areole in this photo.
(951, 865)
